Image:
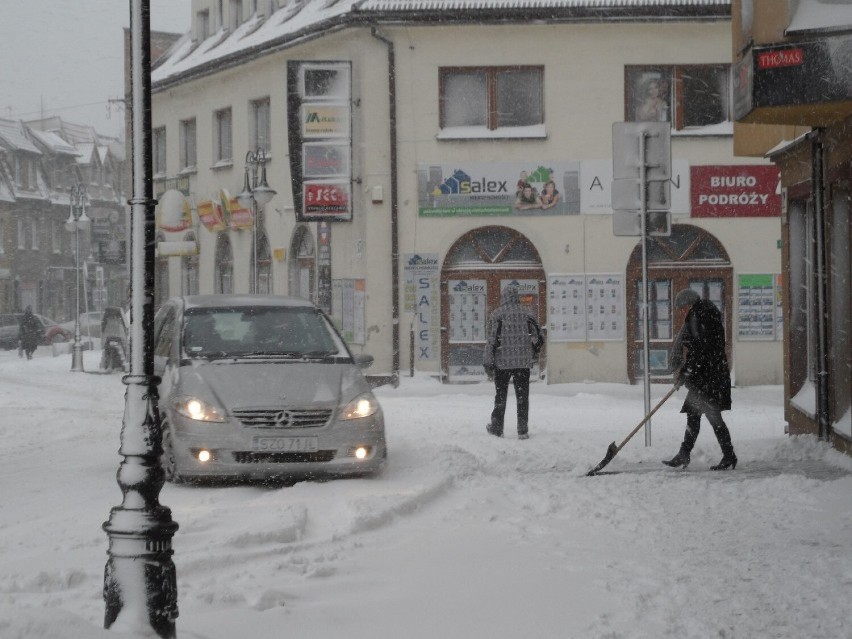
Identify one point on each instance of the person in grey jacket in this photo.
(514, 339)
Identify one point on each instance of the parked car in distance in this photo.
(90, 324)
(10, 329)
(262, 386)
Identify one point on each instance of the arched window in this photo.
(224, 274)
(189, 270)
(264, 266)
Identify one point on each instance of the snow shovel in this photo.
(612, 451)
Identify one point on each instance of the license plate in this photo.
(285, 444)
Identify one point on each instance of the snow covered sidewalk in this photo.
(464, 535)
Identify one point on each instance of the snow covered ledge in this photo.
(483, 132)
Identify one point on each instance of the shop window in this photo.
(491, 99)
(691, 97)
(222, 135)
(187, 145)
(158, 140)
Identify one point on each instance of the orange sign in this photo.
(210, 214)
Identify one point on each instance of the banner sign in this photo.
(323, 160)
(736, 191)
(498, 189)
(323, 200)
(422, 293)
(235, 216)
(325, 121)
(210, 214)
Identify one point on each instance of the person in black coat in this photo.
(705, 374)
(31, 332)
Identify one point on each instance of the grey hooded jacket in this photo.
(514, 346)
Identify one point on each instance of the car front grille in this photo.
(283, 417)
(248, 457)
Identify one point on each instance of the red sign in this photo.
(326, 200)
(735, 191)
(780, 58)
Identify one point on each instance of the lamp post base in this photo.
(77, 357)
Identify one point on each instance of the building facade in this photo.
(793, 98)
(399, 143)
(40, 162)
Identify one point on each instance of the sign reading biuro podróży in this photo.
(499, 189)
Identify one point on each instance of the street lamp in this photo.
(256, 195)
(77, 221)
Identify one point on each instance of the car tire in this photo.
(168, 462)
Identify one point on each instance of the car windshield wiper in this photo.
(266, 354)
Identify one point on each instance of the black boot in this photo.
(693, 425)
(723, 435)
(681, 459)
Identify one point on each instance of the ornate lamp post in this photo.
(256, 195)
(77, 221)
(140, 582)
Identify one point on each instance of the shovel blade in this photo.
(611, 452)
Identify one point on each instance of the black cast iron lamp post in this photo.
(255, 195)
(77, 221)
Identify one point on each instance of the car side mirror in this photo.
(363, 361)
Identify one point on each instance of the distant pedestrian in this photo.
(514, 340)
(705, 374)
(31, 332)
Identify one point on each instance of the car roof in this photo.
(240, 300)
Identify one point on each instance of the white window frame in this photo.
(188, 145)
(223, 137)
(260, 124)
(158, 144)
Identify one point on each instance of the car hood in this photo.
(236, 384)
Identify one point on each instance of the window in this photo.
(259, 124)
(22, 234)
(690, 97)
(2, 237)
(187, 145)
(159, 151)
(34, 234)
(56, 238)
(222, 142)
(235, 14)
(202, 25)
(25, 173)
(224, 275)
(264, 266)
(492, 97)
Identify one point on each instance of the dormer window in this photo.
(202, 25)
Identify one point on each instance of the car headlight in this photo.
(360, 407)
(198, 409)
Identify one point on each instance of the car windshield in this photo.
(260, 331)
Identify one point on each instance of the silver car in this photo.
(261, 387)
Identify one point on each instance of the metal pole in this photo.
(77, 348)
(643, 190)
(254, 241)
(140, 584)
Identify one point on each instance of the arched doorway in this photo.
(477, 268)
(302, 264)
(690, 258)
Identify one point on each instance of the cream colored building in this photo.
(397, 132)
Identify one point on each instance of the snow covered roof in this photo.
(13, 136)
(54, 142)
(821, 16)
(86, 153)
(303, 18)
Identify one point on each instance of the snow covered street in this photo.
(463, 536)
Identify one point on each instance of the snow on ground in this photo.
(464, 535)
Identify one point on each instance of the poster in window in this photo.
(649, 95)
(467, 312)
(756, 304)
(566, 302)
(605, 303)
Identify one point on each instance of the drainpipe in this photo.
(394, 202)
(817, 179)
